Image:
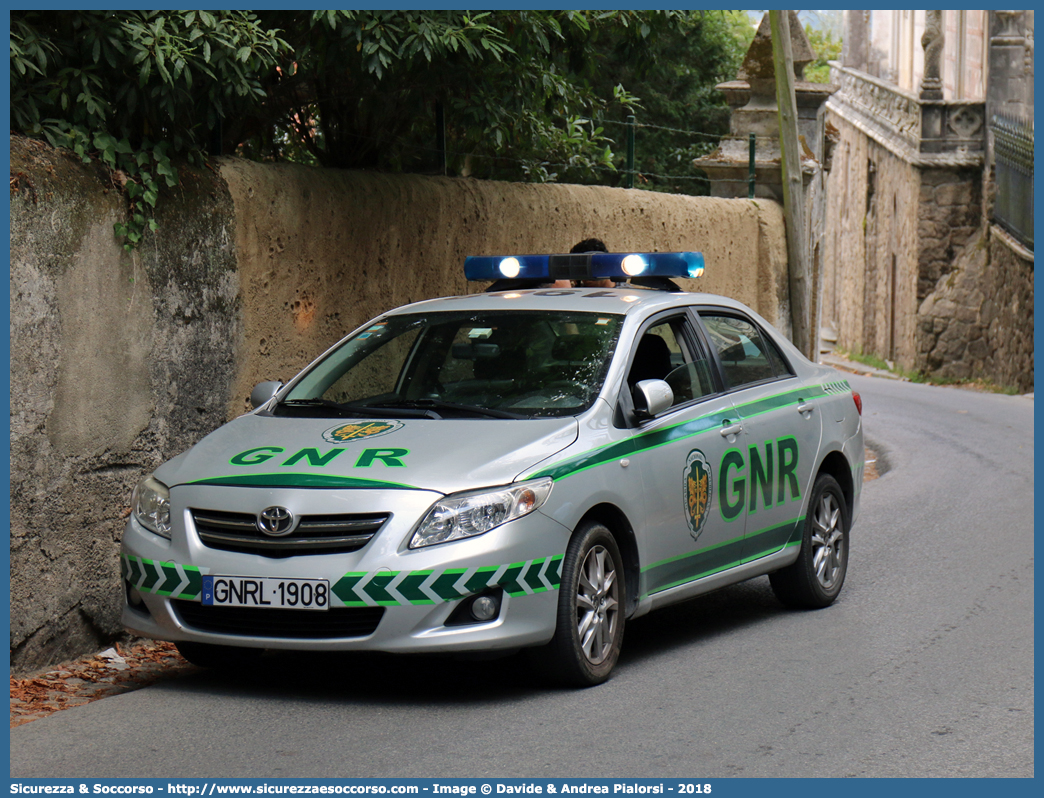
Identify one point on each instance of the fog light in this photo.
(134, 597)
(484, 608)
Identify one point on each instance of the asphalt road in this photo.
(923, 667)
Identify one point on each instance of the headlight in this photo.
(151, 503)
(465, 515)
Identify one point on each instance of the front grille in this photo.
(296, 624)
(315, 534)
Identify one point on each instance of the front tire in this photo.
(815, 579)
(590, 624)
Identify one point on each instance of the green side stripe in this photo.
(591, 459)
(768, 404)
(711, 560)
(767, 541)
(301, 480)
(680, 431)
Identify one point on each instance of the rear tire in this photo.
(225, 658)
(590, 624)
(815, 579)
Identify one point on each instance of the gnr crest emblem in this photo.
(698, 490)
(354, 430)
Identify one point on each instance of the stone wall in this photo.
(871, 262)
(978, 320)
(910, 273)
(118, 360)
(322, 251)
(122, 360)
(914, 270)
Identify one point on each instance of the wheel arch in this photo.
(836, 465)
(613, 518)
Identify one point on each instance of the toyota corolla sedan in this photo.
(528, 467)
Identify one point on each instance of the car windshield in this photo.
(485, 364)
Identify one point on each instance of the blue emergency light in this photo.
(618, 266)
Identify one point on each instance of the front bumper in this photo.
(384, 596)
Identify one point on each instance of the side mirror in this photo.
(264, 391)
(652, 397)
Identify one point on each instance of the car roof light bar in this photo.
(617, 266)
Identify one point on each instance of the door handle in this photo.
(735, 429)
(805, 407)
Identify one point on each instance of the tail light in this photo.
(858, 401)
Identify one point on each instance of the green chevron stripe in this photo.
(344, 589)
(161, 578)
(443, 586)
(410, 590)
(532, 577)
(376, 589)
(481, 579)
(195, 585)
(363, 588)
(170, 579)
(553, 573)
(509, 581)
(301, 481)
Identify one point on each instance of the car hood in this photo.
(444, 455)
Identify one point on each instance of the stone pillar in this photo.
(1010, 89)
(752, 97)
(855, 47)
(932, 42)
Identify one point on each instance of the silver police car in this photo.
(528, 467)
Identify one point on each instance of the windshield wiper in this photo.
(488, 412)
(380, 410)
(342, 409)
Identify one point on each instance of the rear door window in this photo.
(746, 355)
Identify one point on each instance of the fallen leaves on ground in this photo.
(116, 670)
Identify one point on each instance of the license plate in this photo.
(266, 592)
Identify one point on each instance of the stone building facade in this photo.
(918, 266)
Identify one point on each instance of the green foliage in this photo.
(109, 85)
(682, 116)
(364, 85)
(527, 95)
(827, 48)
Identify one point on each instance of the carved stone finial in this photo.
(758, 62)
(932, 42)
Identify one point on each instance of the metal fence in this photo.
(1013, 152)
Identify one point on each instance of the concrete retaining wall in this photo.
(122, 360)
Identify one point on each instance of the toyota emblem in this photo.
(275, 521)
